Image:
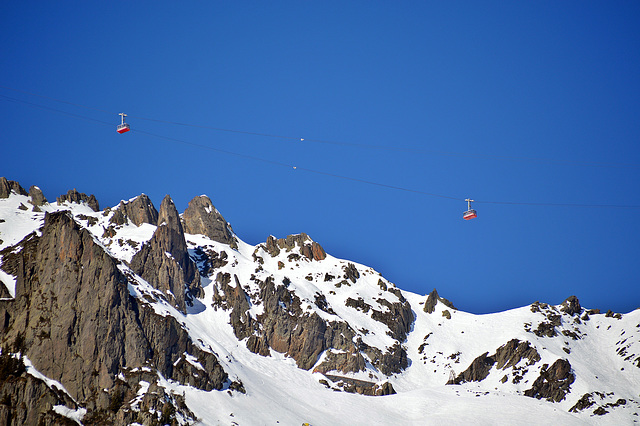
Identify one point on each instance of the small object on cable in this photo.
(123, 127)
(301, 139)
(294, 167)
(470, 213)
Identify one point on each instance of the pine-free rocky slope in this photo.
(133, 315)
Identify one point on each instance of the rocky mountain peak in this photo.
(139, 210)
(169, 215)
(121, 320)
(201, 217)
(6, 186)
(309, 248)
(75, 319)
(164, 260)
(37, 197)
(571, 306)
(73, 196)
(433, 299)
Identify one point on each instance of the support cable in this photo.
(318, 172)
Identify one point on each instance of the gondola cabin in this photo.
(123, 127)
(470, 213)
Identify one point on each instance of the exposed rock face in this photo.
(554, 383)
(351, 272)
(25, 399)
(506, 356)
(5, 189)
(285, 328)
(73, 196)
(433, 299)
(139, 210)
(553, 318)
(583, 403)
(571, 306)
(478, 370)
(4, 292)
(6, 186)
(513, 352)
(79, 325)
(348, 384)
(37, 197)
(312, 251)
(398, 318)
(201, 217)
(164, 261)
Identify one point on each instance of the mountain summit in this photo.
(130, 315)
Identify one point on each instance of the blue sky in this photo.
(526, 102)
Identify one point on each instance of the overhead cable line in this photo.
(319, 172)
(56, 100)
(278, 163)
(82, 117)
(353, 144)
(251, 157)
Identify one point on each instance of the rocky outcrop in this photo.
(37, 197)
(164, 261)
(583, 403)
(285, 328)
(7, 186)
(588, 401)
(508, 355)
(433, 299)
(363, 387)
(73, 196)
(478, 370)
(554, 383)
(308, 248)
(351, 272)
(398, 317)
(79, 325)
(571, 306)
(553, 318)
(201, 217)
(139, 210)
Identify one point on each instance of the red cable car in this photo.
(470, 213)
(123, 127)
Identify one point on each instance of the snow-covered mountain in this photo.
(132, 315)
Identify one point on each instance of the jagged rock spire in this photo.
(37, 197)
(6, 186)
(139, 210)
(169, 215)
(201, 217)
(74, 318)
(164, 261)
(433, 299)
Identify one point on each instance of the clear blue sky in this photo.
(463, 96)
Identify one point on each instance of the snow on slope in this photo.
(603, 357)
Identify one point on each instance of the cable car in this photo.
(123, 127)
(470, 213)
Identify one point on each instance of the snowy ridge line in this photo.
(603, 350)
